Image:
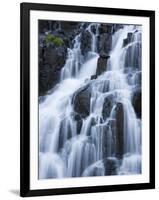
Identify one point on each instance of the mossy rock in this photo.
(54, 39)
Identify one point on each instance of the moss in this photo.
(54, 39)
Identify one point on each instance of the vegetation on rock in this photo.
(54, 39)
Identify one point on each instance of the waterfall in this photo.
(107, 141)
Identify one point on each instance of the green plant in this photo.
(54, 39)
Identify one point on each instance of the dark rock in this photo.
(105, 28)
(86, 40)
(138, 77)
(81, 101)
(104, 43)
(79, 122)
(51, 60)
(128, 40)
(107, 106)
(47, 25)
(94, 77)
(119, 138)
(133, 56)
(136, 102)
(116, 27)
(93, 29)
(102, 64)
(55, 56)
(48, 78)
(111, 165)
(68, 26)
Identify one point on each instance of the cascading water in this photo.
(108, 141)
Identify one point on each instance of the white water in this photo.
(66, 153)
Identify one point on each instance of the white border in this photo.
(91, 181)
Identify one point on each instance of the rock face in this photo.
(136, 102)
(102, 64)
(119, 130)
(81, 101)
(52, 59)
(86, 40)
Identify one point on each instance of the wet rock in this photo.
(48, 78)
(86, 41)
(107, 106)
(94, 77)
(55, 56)
(119, 137)
(104, 43)
(105, 28)
(111, 166)
(102, 64)
(79, 123)
(81, 101)
(51, 60)
(108, 139)
(136, 101)
(128, 40)
(133, 56)
(138, 77)
(68, 26)
(116, 27)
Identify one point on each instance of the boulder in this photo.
(81, 101)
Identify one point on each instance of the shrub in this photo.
(54, 39)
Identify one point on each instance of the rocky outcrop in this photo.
(81, 101)
(102, 64)
(136, 101)
(51, 60)
(86, 40)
